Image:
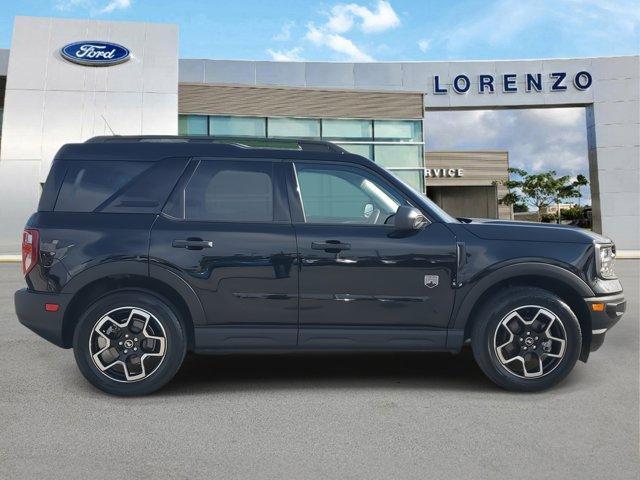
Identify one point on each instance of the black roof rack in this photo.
(276, 143)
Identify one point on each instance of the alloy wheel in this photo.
(530, 341)
(127, 344)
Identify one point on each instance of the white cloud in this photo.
(285, 32)
(115, 5)
(337, 43)
(344, 15)
(537, 139)
(94, 7)
(292, 55)
(424, 44)
(341, 19)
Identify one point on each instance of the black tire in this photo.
(489, 333)
(166, 323)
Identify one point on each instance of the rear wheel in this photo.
(129, 343)
(526, 339)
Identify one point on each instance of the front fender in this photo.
(464, 307)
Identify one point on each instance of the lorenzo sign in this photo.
(95, 53)
(513, 83)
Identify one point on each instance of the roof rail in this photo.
(276, 143)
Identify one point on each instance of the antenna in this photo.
(108, 126)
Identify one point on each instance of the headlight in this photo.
(605, 256)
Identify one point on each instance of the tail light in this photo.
(30, 249)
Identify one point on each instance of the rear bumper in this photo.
(603, 320)
(32, 314)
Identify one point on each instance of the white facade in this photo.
(50, 101)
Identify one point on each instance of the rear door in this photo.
(226, 230)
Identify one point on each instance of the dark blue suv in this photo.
(145, 248)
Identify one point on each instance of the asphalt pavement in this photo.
(392, 416)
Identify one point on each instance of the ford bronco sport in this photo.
(145, 248)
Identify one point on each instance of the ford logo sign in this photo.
(95, 53)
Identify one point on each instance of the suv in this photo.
(145, 248)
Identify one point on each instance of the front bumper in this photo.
(605, 312)
(30, 309)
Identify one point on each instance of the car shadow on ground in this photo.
(239, 372)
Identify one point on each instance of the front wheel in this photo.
(526, 339)
(129, 343)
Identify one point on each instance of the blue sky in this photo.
(369, 29)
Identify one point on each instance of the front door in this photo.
(362, 283)
(226, 230)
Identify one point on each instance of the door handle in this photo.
(192, 244)
(331, 246)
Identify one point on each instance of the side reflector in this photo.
(51, 307)
(597, 307)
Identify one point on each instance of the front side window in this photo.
(339, 194)
(230, 191)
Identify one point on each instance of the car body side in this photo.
(85, 255)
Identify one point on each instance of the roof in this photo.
(153, 148)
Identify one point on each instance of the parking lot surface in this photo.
(318, 416)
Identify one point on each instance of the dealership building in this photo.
(66, 80)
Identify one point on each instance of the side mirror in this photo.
(409, 218)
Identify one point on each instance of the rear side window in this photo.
(230, 191)
(87, 186)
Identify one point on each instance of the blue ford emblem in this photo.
(95, 53)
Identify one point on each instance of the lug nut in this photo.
(135, 349)
(126, 336)
(524, 348)
(126, 351)
(536, 338)
(528, 333)
(119, 343)
(136, 339)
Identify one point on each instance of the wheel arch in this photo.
(568, 286)
(165, 284)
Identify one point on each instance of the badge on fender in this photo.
(431, 281)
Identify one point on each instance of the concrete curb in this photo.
(628, 254)
(10, 258)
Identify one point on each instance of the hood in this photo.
(491, 229)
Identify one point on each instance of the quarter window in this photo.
(344, 195)
(230, 192)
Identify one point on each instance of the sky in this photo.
(381, 30)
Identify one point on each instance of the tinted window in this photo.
(86, 186)
(230, 191)
(343, 194)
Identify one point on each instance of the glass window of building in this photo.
(193, 125)
(413, 178)
(335, 129)
(398, 130)
(238, 126)
(390, 156)
(293, 127)
(363, 150)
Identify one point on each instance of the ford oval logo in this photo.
(95, 53)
